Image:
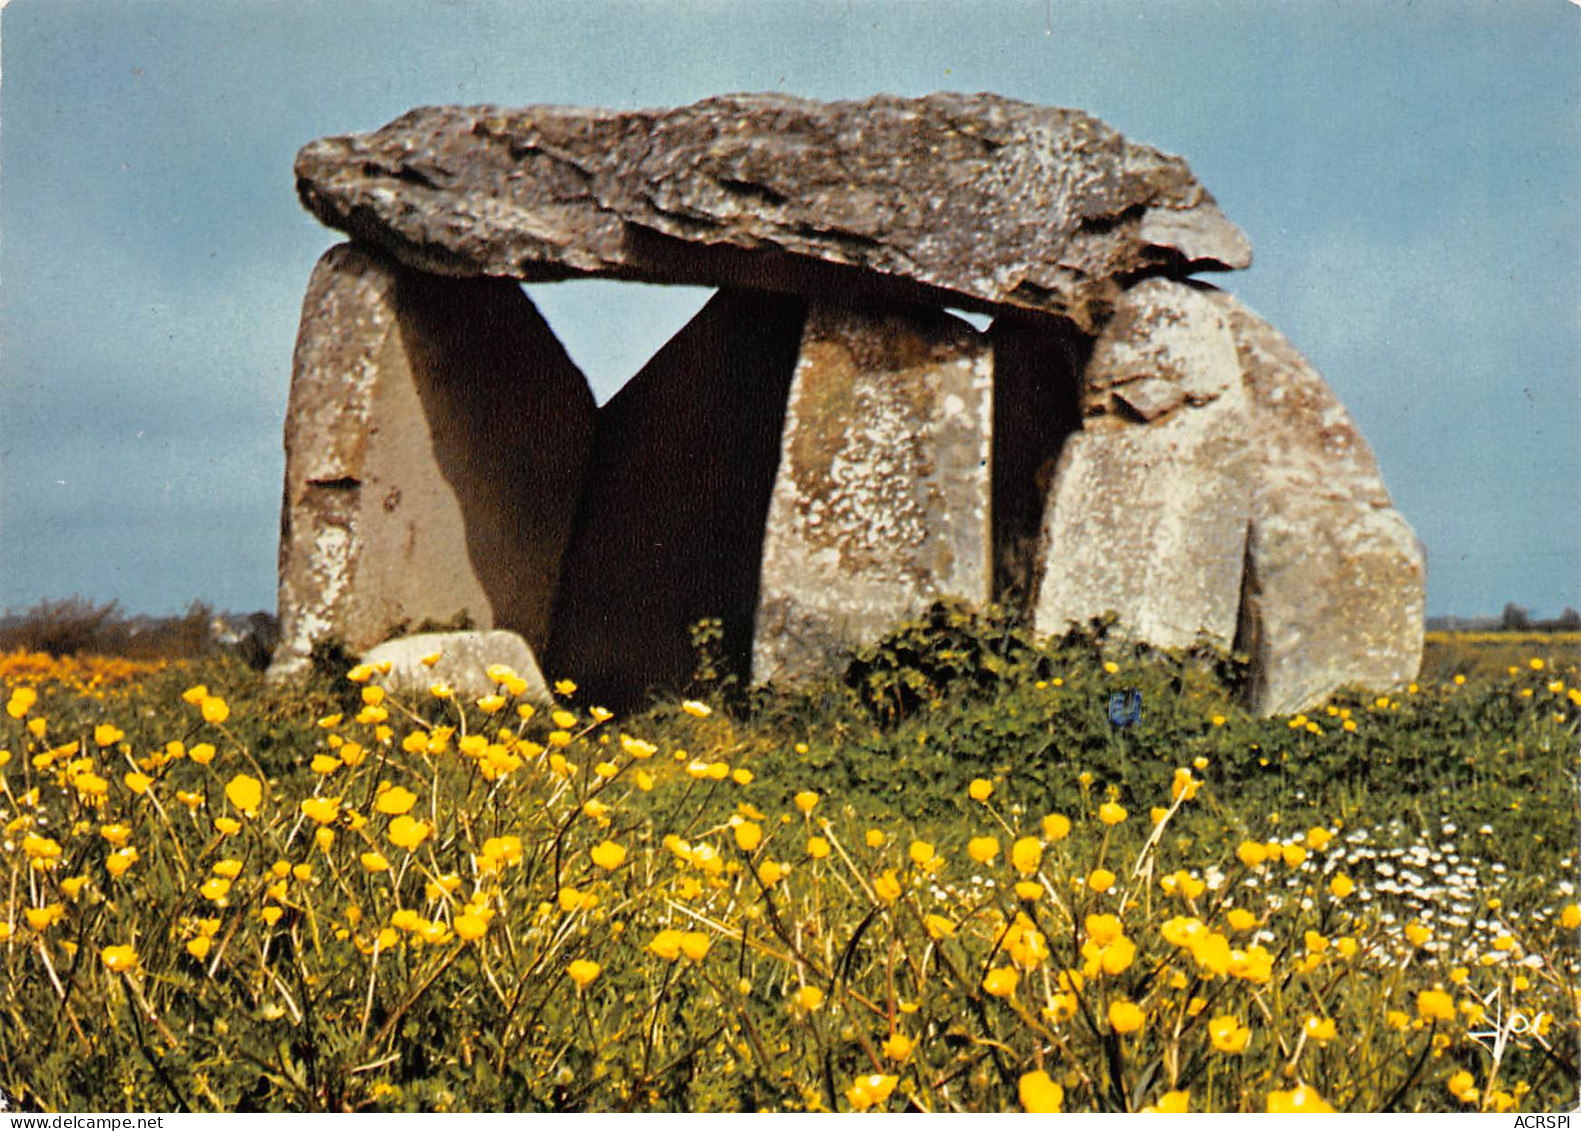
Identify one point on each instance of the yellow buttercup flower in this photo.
(21, 702)
(404, 832)
(982, 848)
(608, 855)
(980, 789)
(749, 835)
(1228, 1034)
(1026, 854)
(395, 801)
(817, 847)
(1100, 880)
(1056, 827)
(323, 810)
(887, 886)
(1126, 1016)
(695, 709)
(583, 972)
(1463, 1086)
(921, 853)
(106, 735)
(771, 872)
(1319, 1028)
(1435, 1005)
(1170, 1103)
(120, 861)
(870, 1091)
(215, 710)
(1040, 1095)
(1111, 813)
(807, 998)
(897, 1046)
(245, 793)
(695, 945)
(1001, 981)
(1296, 1101)
(636, 747)
(119, 959)
(215, 888)
(1341, 886)
(806, 800)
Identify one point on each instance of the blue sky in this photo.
(1407, 171)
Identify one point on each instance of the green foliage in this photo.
(823, 852)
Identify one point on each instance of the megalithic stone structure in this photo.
(823, 449)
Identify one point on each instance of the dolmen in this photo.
(828, 446)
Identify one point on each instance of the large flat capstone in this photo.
(976, 201)
(434, 440)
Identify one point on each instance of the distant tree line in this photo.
(1515, 618)
(76, 626)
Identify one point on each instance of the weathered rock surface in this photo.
(670, 527)
(974, 201)
(464, 660)
(434, 443)
(882, 501)
(1148, 510)
(1335, 582)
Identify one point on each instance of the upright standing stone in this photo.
(1148, 511)
(1335, 578)
(670, 526)
(882, 502)
(434, 443)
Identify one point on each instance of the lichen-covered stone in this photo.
(463, 663)
(882, 502)
(434, 443)
(1148, 511)
(963, 200)
(1335, 587)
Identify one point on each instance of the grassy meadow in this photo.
(943, 880)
